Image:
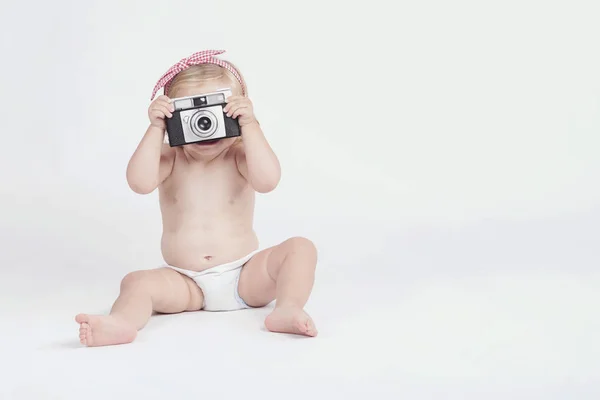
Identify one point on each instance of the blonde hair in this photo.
(207, 72)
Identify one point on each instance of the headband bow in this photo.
(201, 57)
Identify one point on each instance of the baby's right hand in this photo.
(158, 110)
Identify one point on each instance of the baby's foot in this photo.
(290, 319)
(103, 330)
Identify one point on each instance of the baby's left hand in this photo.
(240, 107)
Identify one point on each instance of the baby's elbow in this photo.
(139, 186)
(266, 186)
(141, 189)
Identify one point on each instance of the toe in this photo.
(81, 318)
(312, 329)
(309, 327)
(85, 334)
(302, 326)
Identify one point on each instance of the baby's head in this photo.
(205, 77)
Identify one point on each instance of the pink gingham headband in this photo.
(201, 57)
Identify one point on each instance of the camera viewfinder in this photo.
(200, 101)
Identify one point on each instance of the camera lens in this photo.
(204, 124)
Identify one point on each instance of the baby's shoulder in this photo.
(236, 150)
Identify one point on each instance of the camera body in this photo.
(200, 118)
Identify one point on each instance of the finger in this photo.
(166, 104)
(232, 104)
(240, 103)
(162, 112)
(240, 111)
(243, 112)
(234, 108)
(157, 114)
(163, 109)
(156, 117)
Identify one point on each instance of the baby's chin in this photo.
(207, 143)
(210, 146)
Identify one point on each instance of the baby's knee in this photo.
(135, 279)
(301, 245)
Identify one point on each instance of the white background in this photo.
(442, 155)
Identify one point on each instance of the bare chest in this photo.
(213, 188)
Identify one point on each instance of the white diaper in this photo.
(220, 284)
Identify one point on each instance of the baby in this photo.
(206, 193)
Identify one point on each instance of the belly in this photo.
(199, 245)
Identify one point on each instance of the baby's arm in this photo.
(255, 159)
(152, 161)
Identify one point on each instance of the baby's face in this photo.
(206, 149)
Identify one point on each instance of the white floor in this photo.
(494, 311)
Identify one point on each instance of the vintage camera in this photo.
(201, 118)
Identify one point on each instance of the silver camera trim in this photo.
(189, 114)
(217, 97)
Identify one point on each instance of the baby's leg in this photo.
(285, 272)
(142, 292)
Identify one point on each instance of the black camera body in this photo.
(201, 118)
